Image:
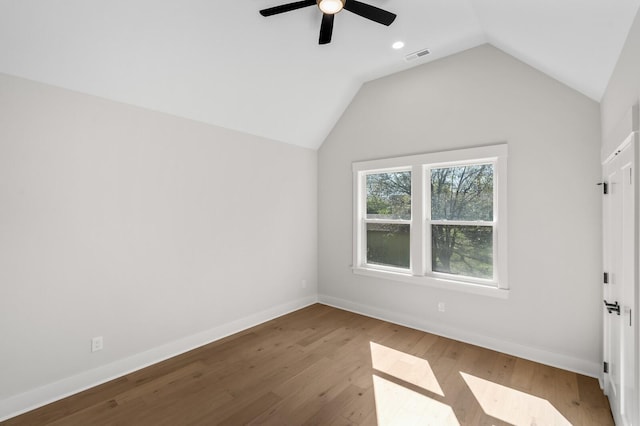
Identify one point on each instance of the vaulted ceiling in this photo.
(222, 63)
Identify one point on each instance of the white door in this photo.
(620, 264)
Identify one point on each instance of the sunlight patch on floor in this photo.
(409, 368)
(513, 406)
(397, 405)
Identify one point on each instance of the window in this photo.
(436, 219)
(388, 219)
(461, 221)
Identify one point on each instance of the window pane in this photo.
(388, 244)
(389, 195)
(462, 250)
(462, 193)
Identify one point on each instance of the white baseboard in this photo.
(542, 356)
(27, 401)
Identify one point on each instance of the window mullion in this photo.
(425, 174)
(417, 245)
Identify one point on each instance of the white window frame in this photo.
(419, 271)
(365, 220)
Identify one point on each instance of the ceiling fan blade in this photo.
(287, 7)
(376, 14)
(326, 29)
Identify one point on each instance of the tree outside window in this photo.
(462, 220)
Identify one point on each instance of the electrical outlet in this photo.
(441, 306)
(97, 344)
(303, 284)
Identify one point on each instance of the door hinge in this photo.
(605, 278)
(605, 187)
(605, 367)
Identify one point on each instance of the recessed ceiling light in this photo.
(398, 45)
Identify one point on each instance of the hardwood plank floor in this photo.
(322, 365)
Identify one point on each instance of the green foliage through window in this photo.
(462, 250)
(388, 244)
(462, 193)
(389, 195)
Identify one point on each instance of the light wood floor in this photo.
(322, 365)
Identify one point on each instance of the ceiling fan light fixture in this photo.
(331, 7)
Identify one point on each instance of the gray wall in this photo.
(623, 91)
(139, 227)
(478, 97)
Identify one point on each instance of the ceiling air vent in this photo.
(416, 55)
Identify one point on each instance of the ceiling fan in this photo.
(329, 8)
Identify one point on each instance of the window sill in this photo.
(441, 283)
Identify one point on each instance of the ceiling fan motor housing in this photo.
(330, 7)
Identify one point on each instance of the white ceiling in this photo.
(222, 63)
